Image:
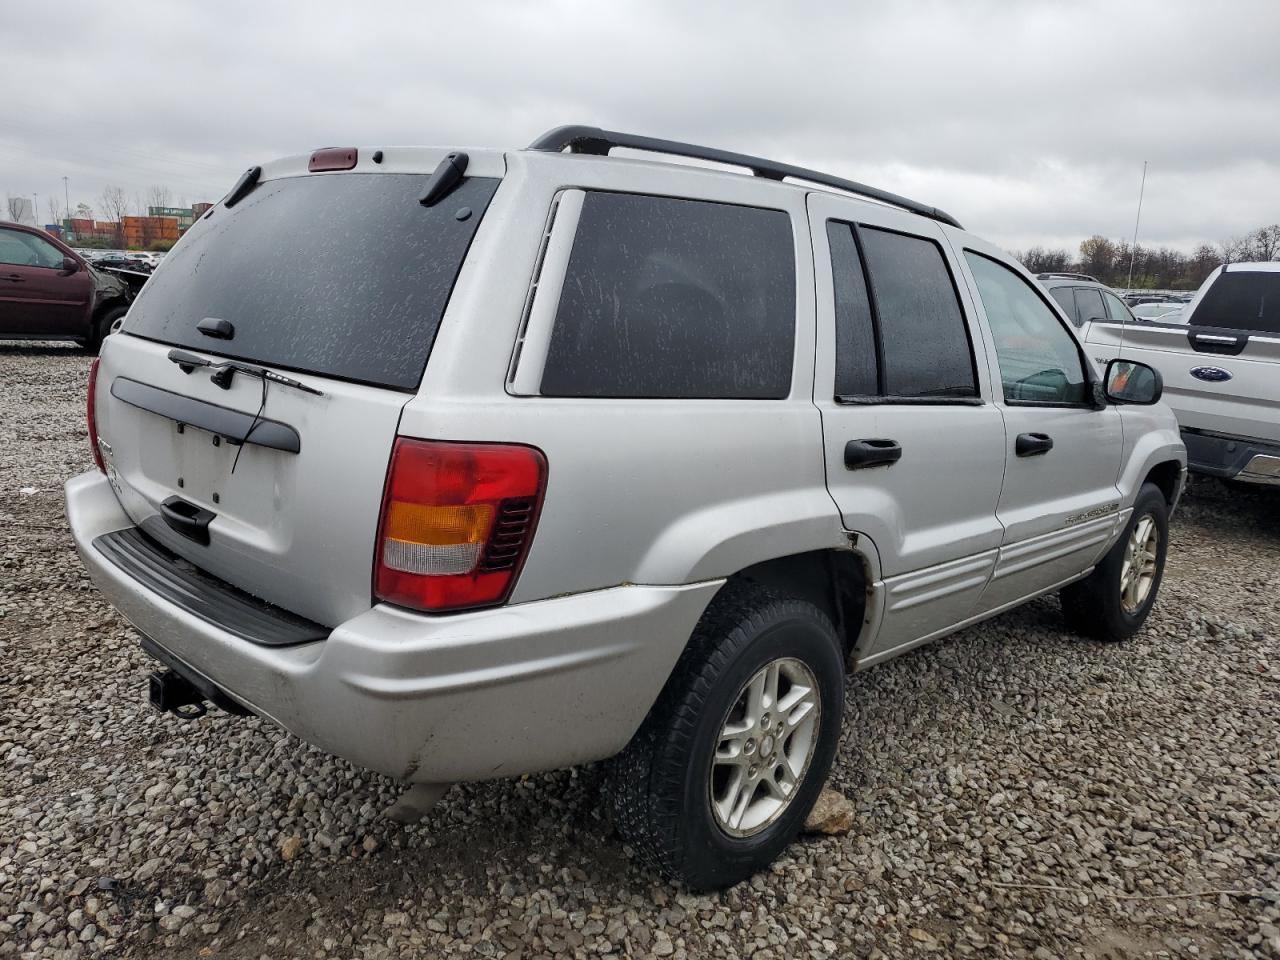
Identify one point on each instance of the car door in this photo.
(1060, 504)
(37, 296)
(914, 446)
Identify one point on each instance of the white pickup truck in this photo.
(1221, 369)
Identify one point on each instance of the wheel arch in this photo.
(1166, 475)
(838, 582)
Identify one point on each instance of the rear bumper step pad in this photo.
(181, 583)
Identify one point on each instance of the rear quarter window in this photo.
(665, 297)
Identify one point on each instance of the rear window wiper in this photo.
(224, 371)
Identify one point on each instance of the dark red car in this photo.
(50, 292)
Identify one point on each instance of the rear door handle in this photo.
(860, 454)
(16, 278)
(1033, 444)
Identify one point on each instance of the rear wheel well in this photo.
(835, 581)
(1166, 476)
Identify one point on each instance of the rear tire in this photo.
(728, 763)
(1113, 602)
(105, 325)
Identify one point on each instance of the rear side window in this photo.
(341, 275)
(666, 297)
(857, 369)
(907, 306)
(1089, 304)
(1241, 300)
(1067, 301)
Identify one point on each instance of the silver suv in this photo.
(467, 465)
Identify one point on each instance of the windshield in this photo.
(341, 275)
(1241, 300)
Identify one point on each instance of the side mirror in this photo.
(70, 265)
(1128, 381)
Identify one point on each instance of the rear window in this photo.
(1244, 300)
(675, 298)
(340, 275)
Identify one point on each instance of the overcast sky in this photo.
(1029, 122)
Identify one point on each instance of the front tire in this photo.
(1113, 602)
(728, 763)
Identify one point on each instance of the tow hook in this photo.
(173, 693)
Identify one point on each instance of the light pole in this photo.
(66, 196)
(35, 211)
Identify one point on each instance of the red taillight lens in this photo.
(457, 521)
(93, 415)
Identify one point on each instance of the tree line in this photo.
(113, 204)
(1153, 268)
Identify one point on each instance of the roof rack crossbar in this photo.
(578, 138)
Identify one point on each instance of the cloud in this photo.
(1029, 122)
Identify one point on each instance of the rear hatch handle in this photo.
(186, 518)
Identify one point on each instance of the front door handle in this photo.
(860, 454)
(1033, 444)
(16, 278)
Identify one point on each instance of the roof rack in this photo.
(1054, 275)
(578, 138)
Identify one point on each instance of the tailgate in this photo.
(294, 528)
(1226, 381)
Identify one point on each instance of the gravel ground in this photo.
(1020, 792)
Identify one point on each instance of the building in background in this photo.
(23, 211)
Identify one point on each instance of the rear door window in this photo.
(1241, 300)
(857, 367)
(665, 297)
(341, 275)
(924, 345)
(1089, 305)
(1067, 301)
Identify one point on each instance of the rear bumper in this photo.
(1230, 457)
(491, 693)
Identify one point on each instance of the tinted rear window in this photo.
(922, 331)
(342, 275)
(1247, 300)
(675, 298)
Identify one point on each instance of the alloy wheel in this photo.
(766, 742)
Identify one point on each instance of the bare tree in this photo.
(55, 209)
(159, 196)
(1264, 243)
(114, 202)
(13, 205)
(1234, 249)
(84, 211)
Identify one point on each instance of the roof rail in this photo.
(583, 139)
(1056, 275)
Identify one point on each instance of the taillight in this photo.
(457, 520)
(93, 415)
